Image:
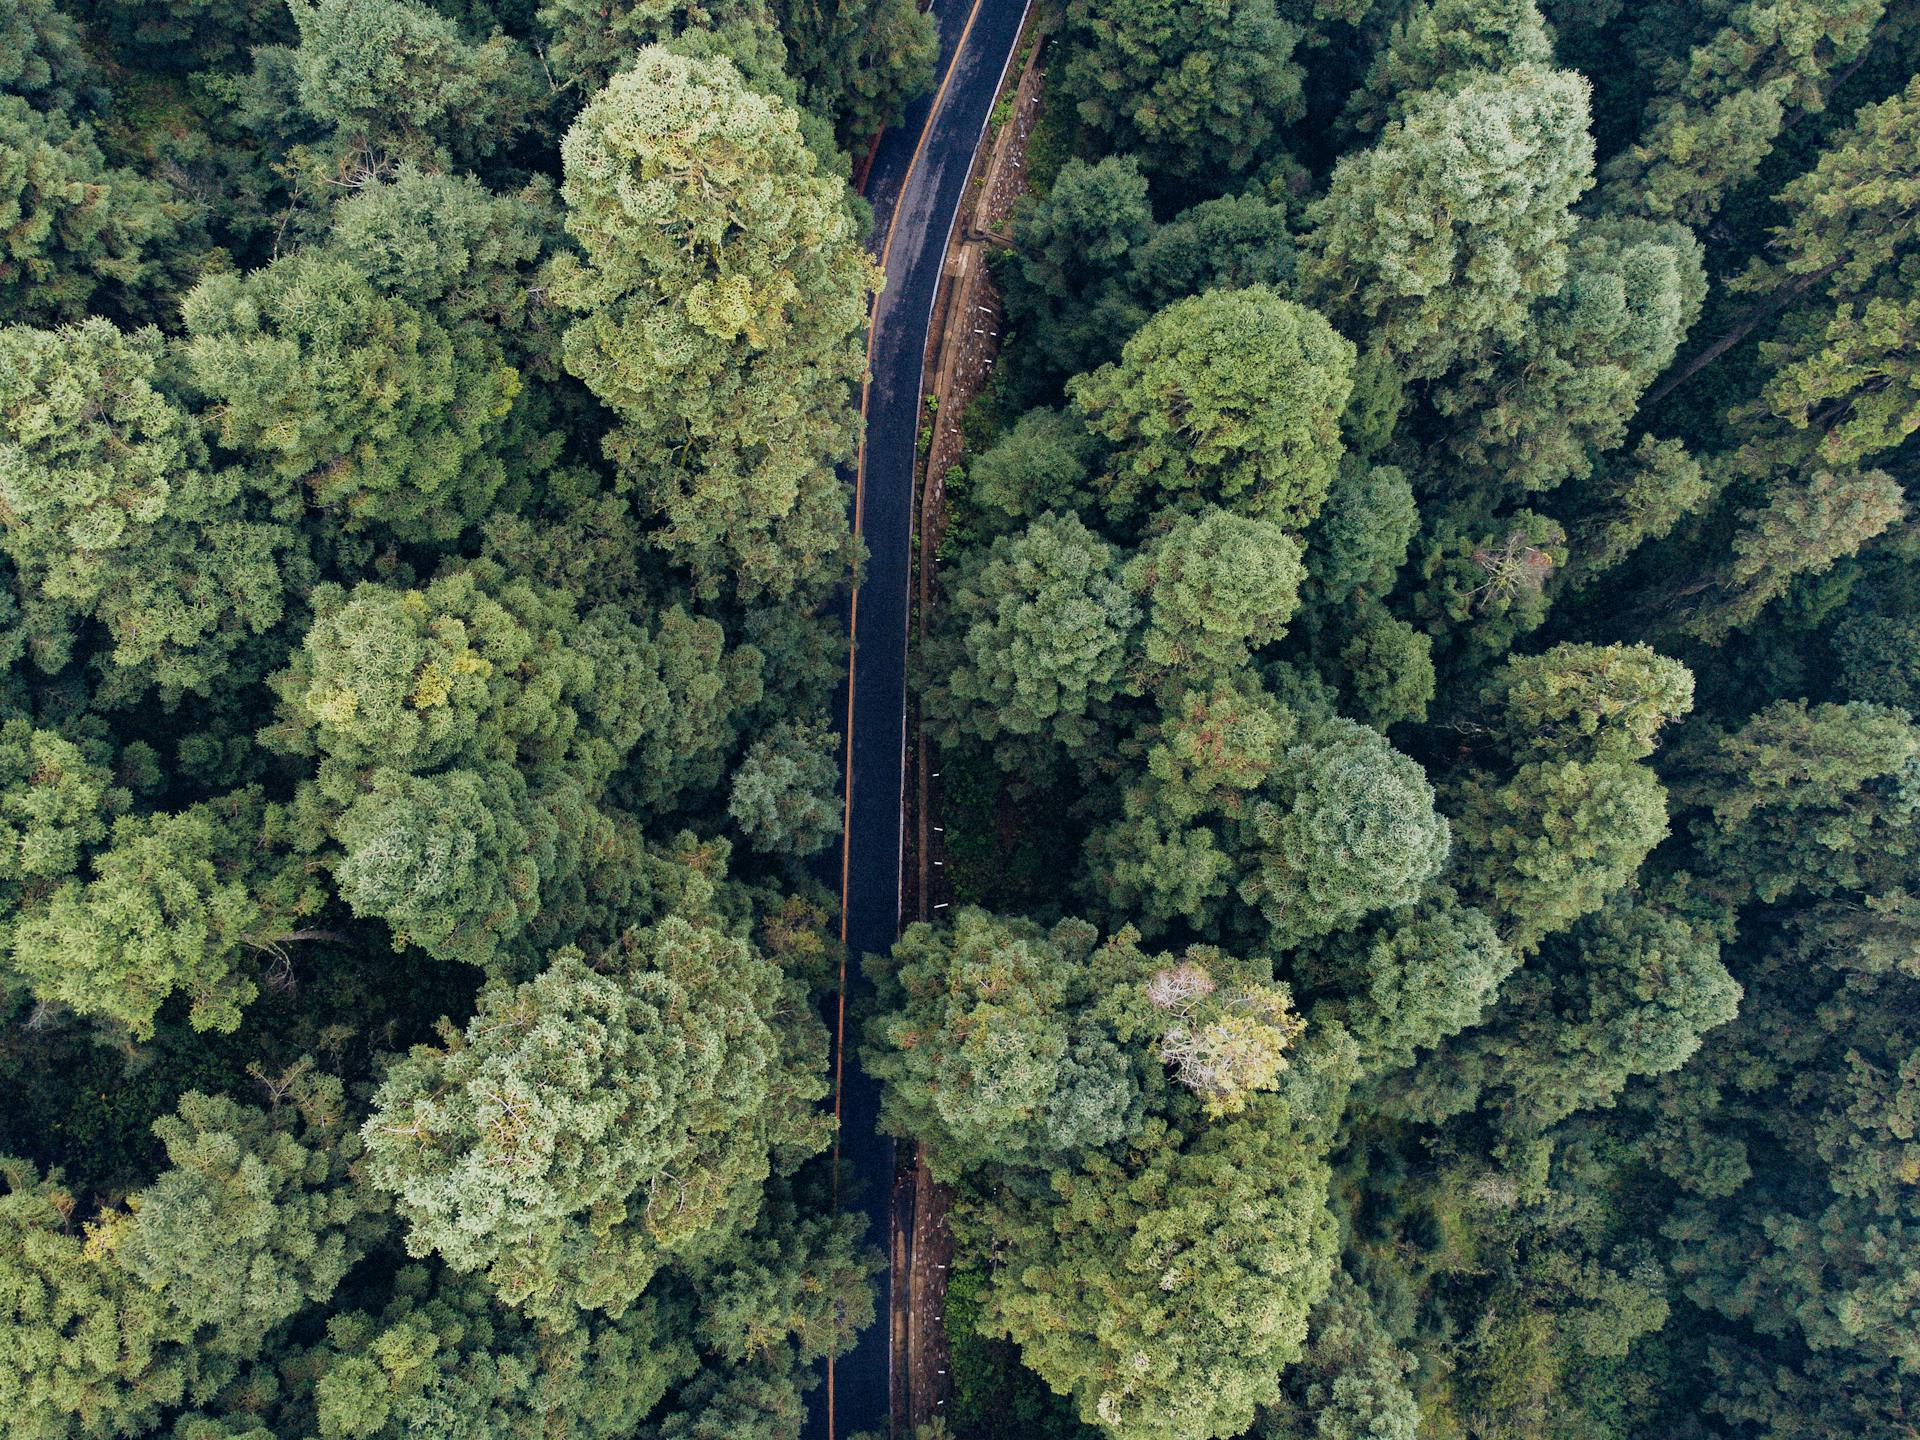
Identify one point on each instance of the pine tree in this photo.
(1232, 397)
(1439, 238)
(590, 1126)
(722, 293)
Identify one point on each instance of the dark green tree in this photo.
(1196, 87)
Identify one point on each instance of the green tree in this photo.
(1407, 982)
(1631, 498)
(1382, 665)
(394, 79)
(587, 43)
(1166, 1291)
(1879, 660)
(182, 904)
(979, 1049)
(1232, 242)
(786, 793)
(1440, 237)
(1215, 587)
(439, 1351)
(1214, 745)
(1568, 385)
(56, 803)
(1196, 87)
(42, 59)
(256, 1218)
(590, 1126)
(1037, 637)
(1550, 841)
(1566, 809)
(1800, 524)
(355, 401)
(1438, 44)
(1042, 463)
(1810, 798)
(1719, 114)
(1841, 381)
(1160, 869)
(1586, 702)
(1627, 991)
(1359, 540)
(1232, 397)
(1479, 582)
(81, 233)
(721, 293)
(87, 1350)
(1354, 1381)
(449, 245)
(113, 511)
(858, 62)
(1073, 247)
(1344, 828)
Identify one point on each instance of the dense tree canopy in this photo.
(1501, 425)
(1413, 905)
(366, 672)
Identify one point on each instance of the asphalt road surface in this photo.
(916, 184)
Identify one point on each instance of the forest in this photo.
(1426, 680)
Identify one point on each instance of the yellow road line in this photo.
(853, 630)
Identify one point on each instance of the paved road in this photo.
(916, 185)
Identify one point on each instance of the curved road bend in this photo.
(916, 186)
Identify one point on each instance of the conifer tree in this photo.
(1195, 86)
(1438, 239)
(590, 1126)
(1037, 644)
(721, 295)
(1232, 397)
(113, 509)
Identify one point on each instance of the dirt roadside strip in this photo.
(961, 347)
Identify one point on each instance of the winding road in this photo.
(916, 185)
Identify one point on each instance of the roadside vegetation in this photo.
(418, 431)
(1425, 681)
(1425, 701)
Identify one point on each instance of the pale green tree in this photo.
(1232, 397)
(976, 1043)
(721, 296)
(1344, 828)
(786, 793)
(1215, 587)
(590, 1126)
(1166, 1291)
(1439, 238)
(191, 904)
